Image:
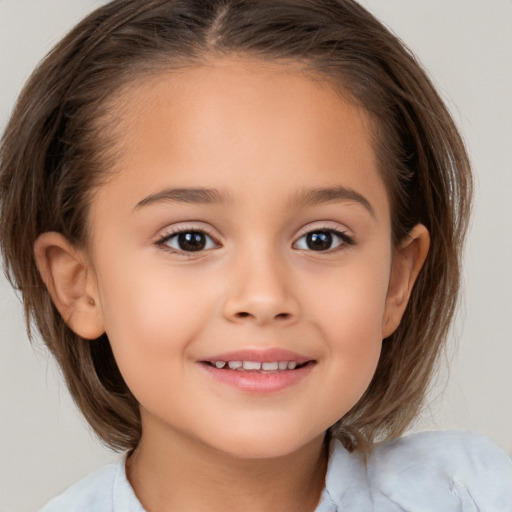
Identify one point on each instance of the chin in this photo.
(267, 445)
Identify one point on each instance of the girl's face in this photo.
(246, 222)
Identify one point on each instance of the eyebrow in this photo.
(305, 198)
(316, 196)
(185, 195)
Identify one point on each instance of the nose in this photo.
(260, 292)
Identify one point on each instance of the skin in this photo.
(261, 135)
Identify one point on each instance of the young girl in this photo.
(237, 226)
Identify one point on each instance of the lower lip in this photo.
(254, 382)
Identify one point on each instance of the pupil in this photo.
(319, 241)
(192, 241)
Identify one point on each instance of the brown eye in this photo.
(189, 241)
(322, 240)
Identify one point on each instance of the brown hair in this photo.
(54, 148)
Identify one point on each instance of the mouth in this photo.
(259, 371)
(257, 366)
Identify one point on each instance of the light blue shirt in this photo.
(429, 472)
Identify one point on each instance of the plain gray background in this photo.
(467, 47)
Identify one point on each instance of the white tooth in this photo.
(292, 365)
(235, 364)
(283, 365)
(252, 365)
(220, 364)
(270, 366)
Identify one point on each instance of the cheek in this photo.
(355, 341)
(349, 317)
(352, 301)
(150, 314)
(150, 323)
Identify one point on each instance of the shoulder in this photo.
(95, 490)
(448, 470)
(432, 471)
(104, 490)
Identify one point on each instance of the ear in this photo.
(71, 283)
(408, 259)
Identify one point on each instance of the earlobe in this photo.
(408, 260)
(70, 282)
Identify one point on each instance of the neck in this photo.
(189, 476)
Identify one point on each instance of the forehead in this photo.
(241, 122)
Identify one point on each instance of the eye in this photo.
(322, 240)
(188, 241)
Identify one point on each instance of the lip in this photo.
(263, 355)
(254, 382)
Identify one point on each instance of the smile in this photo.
(257, 371)
(256, 366)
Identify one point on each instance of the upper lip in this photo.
(268, 355)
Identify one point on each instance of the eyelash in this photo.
(345, 240)
(162, 242)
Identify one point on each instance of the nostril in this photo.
(262, 316)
